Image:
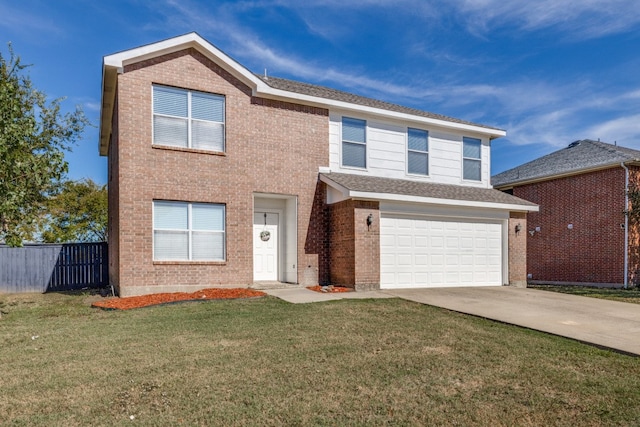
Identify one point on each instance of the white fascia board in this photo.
(445, 202)
(191, 40)
(330, 103)
(344, 190)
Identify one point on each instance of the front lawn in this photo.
(624, 295)
(267, 362)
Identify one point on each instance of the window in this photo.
(188, 231)
(185, 118)
(471, 159)
(418, 152)
(354, 142)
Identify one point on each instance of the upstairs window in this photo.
(184, 118)
(188, 231)
(471, 163)
(418, 152)
(354, 143)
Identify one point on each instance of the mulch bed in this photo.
(155, 299)
(329, 289)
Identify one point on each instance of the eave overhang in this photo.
(391, 197)
(114, 64)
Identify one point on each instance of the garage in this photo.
(420, 251)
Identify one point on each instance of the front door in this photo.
(265, 246)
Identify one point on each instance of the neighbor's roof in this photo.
(270, 87)
(577, 157)
(377, 188)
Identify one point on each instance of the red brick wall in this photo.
(593, 251)
(634, 229)
(271, 147)
(354, 248)
(342, 250)
(518, 249)
(367, 245)
(113, 204)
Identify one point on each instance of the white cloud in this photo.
(625, 130)
(33, 22)
(581, 18)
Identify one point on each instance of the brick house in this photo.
(221, 177)
(581, 234)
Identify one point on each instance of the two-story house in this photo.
(221, 177)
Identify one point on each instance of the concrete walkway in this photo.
(609, 324)
(605, 323)
(304, 295)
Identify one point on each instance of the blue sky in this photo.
(549, 72)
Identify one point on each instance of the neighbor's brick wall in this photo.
(593, 251)
(634, 232)
(271, 147)
(518, 249)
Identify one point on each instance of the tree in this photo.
(78, 213)
(34, 135)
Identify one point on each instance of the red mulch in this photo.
(155, 299)
(329, 289)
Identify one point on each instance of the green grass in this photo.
(267, 362)
(624, 295)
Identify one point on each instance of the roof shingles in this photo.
(373, 184)
(338, 95)
(578, 156)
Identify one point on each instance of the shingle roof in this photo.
(374, 184)
(578, 156)
(338, 95)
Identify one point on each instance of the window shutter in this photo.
(168, 101)
(207, 245)
(170, 245)
(353, 130)
(354, 155)
(170, 131)
(207, 107)
(207, 135)
(207, 217)
(471, 148)
(418, 163)
(471, 169)
(418, 140)
(170, 216)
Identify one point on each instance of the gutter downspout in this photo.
(626, 225)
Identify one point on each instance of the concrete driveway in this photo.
(610, 324)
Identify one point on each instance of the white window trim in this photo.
(189, 119)
(366, 149)
(189, 232)
(478, 159)
(417, 151)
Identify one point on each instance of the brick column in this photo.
(518, 249)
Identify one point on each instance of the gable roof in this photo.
(391, 189)
(270, 87)
(578, 157)
(338, 95)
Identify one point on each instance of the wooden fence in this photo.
(53, 267)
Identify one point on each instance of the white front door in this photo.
(265, 246)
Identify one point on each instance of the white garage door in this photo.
(417, 252)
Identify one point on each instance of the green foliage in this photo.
(77, 214)
(34, 135)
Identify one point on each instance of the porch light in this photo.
(369, 220)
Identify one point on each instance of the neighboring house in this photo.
(221, 177)
(581, 231)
